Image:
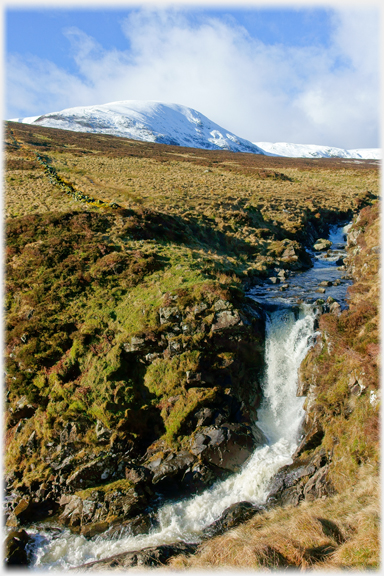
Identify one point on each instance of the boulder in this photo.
(228, 446)
(147, 557)
(16, 548)
(226, 319)
(231, 517)
(322, 244)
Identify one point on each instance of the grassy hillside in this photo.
(120, 258)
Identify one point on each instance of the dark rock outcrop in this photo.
(148, 557)
(231, 517)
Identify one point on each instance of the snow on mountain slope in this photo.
(149, 122)
(314, 151)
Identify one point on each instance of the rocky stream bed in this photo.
(119, 496)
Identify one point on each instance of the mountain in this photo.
(314, 151)
(149, 122)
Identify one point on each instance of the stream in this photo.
(290, 333)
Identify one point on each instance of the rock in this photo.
(173, 466)
(311, 440)
(154, 556)
(199, 308)
(169, 314)
(90, 530)
(226, 319)
(325, 283)
(222, 305)
(139, 525)
(15, 548)
(193, 377)
(335, 309)
(228, 447)
(322, 244)
(103, 434)
(92, 473)
(274, 280)
(231, 517)
(298, 481)
(117, 501)
(22, 409)
(68, 434)
(204, 416)
(319, 485)
(321, 290)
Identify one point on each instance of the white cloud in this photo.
(307, 95)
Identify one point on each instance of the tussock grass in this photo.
(335, 533)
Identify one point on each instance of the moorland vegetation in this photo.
(129, 332)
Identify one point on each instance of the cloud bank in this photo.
(311, 95)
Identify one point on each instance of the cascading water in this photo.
(289, 335)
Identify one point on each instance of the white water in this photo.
(287, 341)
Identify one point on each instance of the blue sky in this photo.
(304, 75)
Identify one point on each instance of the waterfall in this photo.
(289, 335)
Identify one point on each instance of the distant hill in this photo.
(314, 151)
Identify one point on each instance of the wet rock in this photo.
(173, 466)
(325, 283)
(141, 524)
(321, 290)
(117, 501)
(15, 548)
(322, 244)
(148, 557)
(299, 481)
(227, 447)
(90, 530)
(231, 517)
(274, 280)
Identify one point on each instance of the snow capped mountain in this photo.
(149, 122)
(181, 126)
(314, 151)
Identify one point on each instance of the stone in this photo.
(226, 319)
(169, 314)
(321, 290)
(102, 433)
(199, 308)
(15, 548)
(322, 244)
(325, 283)
(193, 377)
(274, 280)
(222, 305)
(229, 446)
(318, 486)
(231, 517)
(147, 557)
(22, 409)
(311, 440)
(335, 309)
